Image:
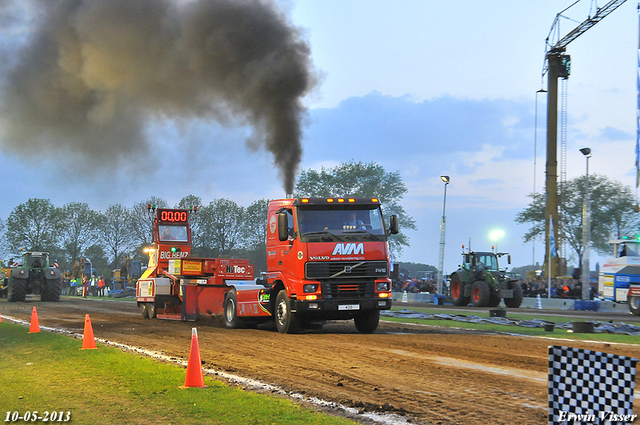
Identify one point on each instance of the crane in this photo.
(558, 65)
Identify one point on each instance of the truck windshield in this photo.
(339, 223)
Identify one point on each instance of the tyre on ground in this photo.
(494, 300)
(367, 322)
(518, 294)
(634, 305)
(51, 291)
(17, 290)
(287, 322)
(457, 291)
(151, 310)
(480, 294)
(231, 319)
(143, 310)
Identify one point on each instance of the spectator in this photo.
(101, 285)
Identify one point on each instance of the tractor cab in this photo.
(487, 260)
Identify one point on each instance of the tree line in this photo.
(221, 228)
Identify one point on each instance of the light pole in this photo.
(586, 232)
(443, 225)
(495, 235)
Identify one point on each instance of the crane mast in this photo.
(558, 65)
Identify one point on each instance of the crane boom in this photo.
(558, 66)
(584, 26)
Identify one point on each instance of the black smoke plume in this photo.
(93, 73)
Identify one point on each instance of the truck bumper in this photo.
(339, 309)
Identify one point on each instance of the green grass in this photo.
(47, 372)
(519, 330)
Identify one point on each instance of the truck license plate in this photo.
(349, 307)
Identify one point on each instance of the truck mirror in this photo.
(509, 258)
(283, 231)
(394, 226)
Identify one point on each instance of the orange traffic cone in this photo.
(0, 318)
(35, 325)
(88, 340)
(194, 377)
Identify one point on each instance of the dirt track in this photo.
(429, 374)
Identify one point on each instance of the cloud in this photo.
(614, 134)
(377, 124)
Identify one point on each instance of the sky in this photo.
(424, 88)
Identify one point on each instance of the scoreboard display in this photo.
(173, 216)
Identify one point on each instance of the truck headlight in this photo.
(310, 288)
(382, 286)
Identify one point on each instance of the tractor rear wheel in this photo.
(457, 291)
(516, 301)
(51, 290)
(287, 322)
(480, 293)
(367, 322)
(17, 290)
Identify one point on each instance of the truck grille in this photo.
(347, 289)
(346, 269)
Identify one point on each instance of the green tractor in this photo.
(480, 282)
(35, 276)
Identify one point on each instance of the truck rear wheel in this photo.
(367, 322)
(144, 307)
(287, 322)
(151, 310)
(516, 301)
(457, 292)
(51, 290)
(634, 305)
(17, 290)
(231, 319)
(480, 294)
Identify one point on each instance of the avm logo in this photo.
(348, 249)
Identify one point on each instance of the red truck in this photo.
(327, 259)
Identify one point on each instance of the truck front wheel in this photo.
(367, 322)
(287, 322)
(634, 305)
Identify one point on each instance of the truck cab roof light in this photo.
(374, 200)
(340, 200)
(305, 200)
(329, 200)
(352, 200)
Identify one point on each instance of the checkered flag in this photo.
(590, 387)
